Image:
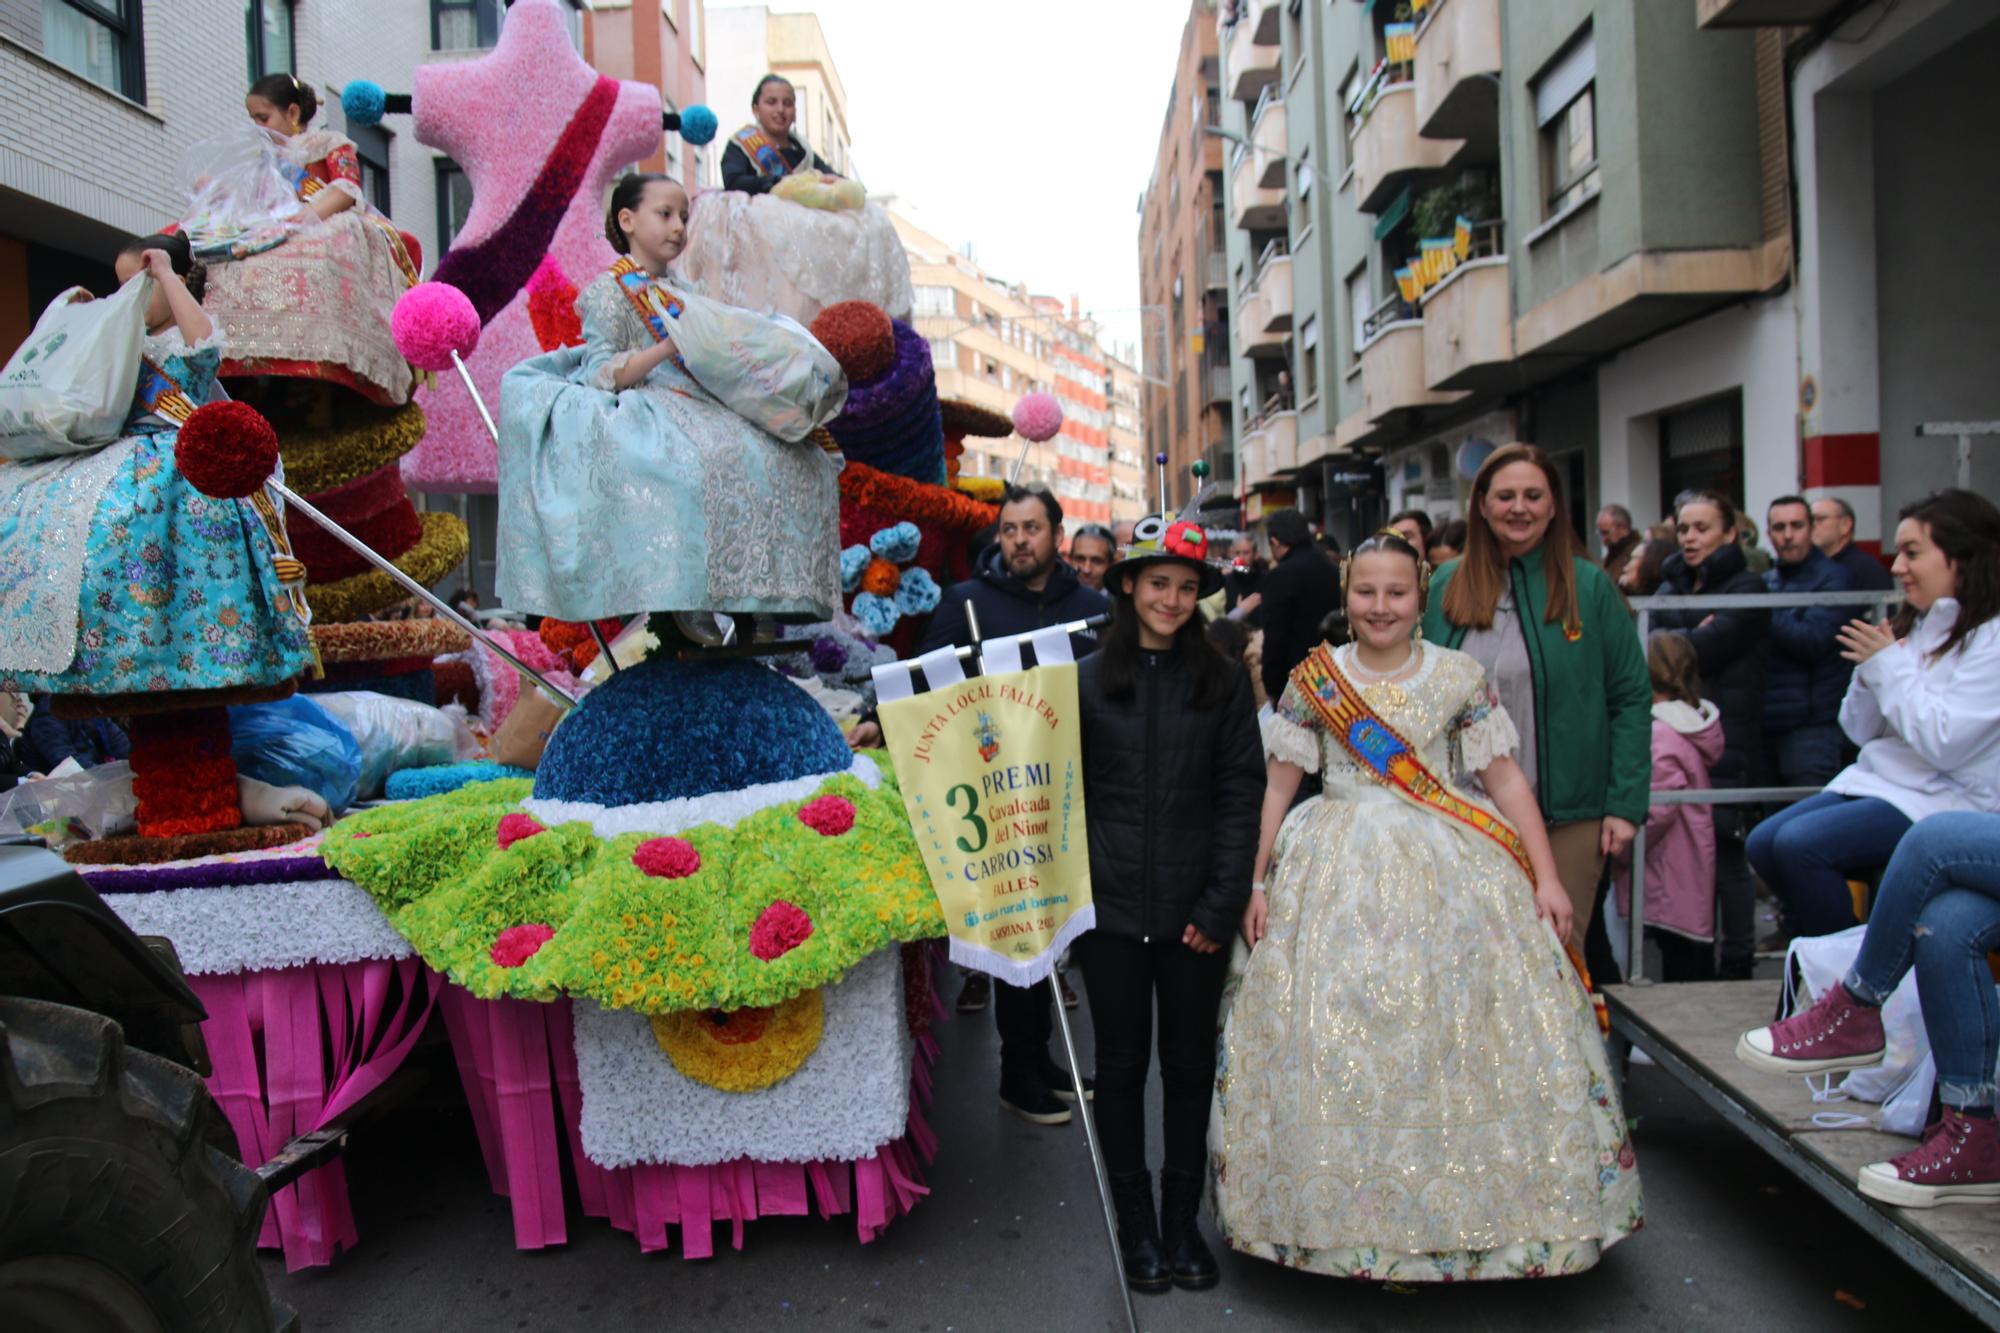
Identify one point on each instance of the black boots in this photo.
(1193, 1267)
(1139, 1233)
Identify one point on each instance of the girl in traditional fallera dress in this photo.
(785, 233)
(318, 305)
(1413, 1085)
(626, 486)
(116, 575)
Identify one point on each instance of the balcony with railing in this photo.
(1215, 374)
(1388, 150)
(1254, 206)
(1458, 53)
(1274, 285)
(1216, 268)
(1251, 51)
(1267, 135)
(1269, 448)
(1468, 319)
(1392, 362)
(1253, 322)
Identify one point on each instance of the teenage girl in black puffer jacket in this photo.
(1173, 788)
(1731, 648)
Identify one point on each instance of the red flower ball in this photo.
(517, 944)
(829, 816)
(781, 928)
(226, 450)
(515, 827)
(666, 858)
(860, 337)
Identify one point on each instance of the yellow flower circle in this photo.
(744, 1050)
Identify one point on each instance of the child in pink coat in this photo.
(1680, 839)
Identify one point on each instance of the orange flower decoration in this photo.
(881, 578)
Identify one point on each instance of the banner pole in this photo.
(1075, 1074)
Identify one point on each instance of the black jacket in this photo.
(1868, 573)
(1298, 592)
(1173, 796)
(1240, 584)
(1807, 677)
(1006, 606)
(1731, 648)
(740, 173)
(48, 739)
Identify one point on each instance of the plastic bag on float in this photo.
(768, 369)
(73, 802)
(296, 742)
(68, 388)
(242, 196)
(809, 191)
(395, 734)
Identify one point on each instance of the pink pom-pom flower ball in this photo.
(431, 321)
(1038, 417)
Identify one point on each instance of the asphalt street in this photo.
(1011, 1238)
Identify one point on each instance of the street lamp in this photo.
(1241, 142)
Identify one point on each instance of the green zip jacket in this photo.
(1593, 697)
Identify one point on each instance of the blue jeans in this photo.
(1807, 853)
(1939, 910)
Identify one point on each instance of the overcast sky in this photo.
(1026, 127)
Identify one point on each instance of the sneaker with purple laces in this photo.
(1837, 1032)
(1958, 1163)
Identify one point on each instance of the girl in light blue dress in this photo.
(116, 575)
(626, 486)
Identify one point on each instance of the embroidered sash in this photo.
(159, 395)
(1388, 758)
(763, 154)
(1392, 761)
(655, 304)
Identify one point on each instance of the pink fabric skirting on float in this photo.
(518, 1062)
(292, 1049)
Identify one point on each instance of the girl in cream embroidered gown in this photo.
(1412, 1085)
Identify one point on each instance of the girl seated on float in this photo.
(318, 305)
(785, 233)
(1413, 1085)
(627, 486)
(116, 575)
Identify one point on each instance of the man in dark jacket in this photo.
(1021, 585)
(1806, 676)
(1299, 589)
(1833, 533)
(1243, 584)
(89, 741)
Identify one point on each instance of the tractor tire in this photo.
(116, 1213)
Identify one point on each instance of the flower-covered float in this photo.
(708, 905)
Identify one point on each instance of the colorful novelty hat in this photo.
(1165, 537)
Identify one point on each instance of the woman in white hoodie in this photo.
(1680, 839)
(1924, 706)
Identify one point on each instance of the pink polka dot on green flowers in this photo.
(517, 944)
(515, 827)
(780, 928)
(829, 816)
(667, 858)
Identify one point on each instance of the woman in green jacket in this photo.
(1559, 645)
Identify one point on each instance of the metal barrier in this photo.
(1645, 606)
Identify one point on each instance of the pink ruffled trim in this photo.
(511, 1053)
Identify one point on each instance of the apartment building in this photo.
(666, 46)
(1456, 223)
(746, 42)
(1130, 463)
(992, 343)
(1182, 226)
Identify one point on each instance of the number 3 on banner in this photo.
(971, 816)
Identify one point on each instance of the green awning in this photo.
(1392, 217)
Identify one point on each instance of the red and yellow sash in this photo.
(1384, 755)
(655, 304)
(159, 395)
(763, 154)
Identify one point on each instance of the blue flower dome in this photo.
(665, 730)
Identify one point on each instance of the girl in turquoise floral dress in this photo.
(116, 575)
